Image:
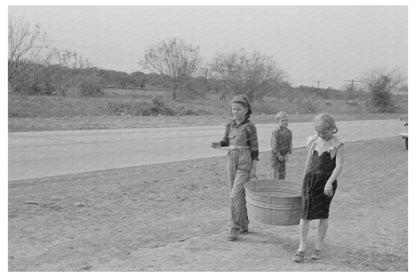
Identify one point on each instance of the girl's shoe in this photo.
(233, 235)
(299, 256)
(316, 255)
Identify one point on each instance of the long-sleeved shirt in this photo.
(243, 134)
(281, 141)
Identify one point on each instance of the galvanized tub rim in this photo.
(273, 202)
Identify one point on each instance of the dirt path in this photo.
(174, 217)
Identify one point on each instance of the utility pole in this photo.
(205, 74)
(352, 85)
(317, 83)
(317, 88)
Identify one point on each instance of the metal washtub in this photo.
(273, 202)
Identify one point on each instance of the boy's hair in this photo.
(243, 100)
(327, 120)
(281, 114)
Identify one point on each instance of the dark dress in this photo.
(315, 204)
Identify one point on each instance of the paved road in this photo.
(41, 154)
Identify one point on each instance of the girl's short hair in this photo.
(327, 121)
(243, 100)
(281, 114)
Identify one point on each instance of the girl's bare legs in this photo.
(303, 230)
(323, 227)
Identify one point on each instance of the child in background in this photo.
(323, 165)
(241, 137)
(281, 146)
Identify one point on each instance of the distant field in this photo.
(119, 108)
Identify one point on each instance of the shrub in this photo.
(380, 84)
(91, 86)
(265, 108)
(34, 80)
(380, 102)
(160, 108)
(305, 105)
(142, 108)
(156, 107)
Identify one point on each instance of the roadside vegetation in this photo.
(46, 83)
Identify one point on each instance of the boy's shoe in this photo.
(299, 256)
(233, 235)
(245, 229)
(316, 255)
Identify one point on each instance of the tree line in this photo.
(34, 67)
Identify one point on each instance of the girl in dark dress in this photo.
(323, 165)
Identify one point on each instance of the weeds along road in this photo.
(50, 153)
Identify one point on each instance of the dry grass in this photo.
(134, 93)
(37, 113)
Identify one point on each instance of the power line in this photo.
(352, 81)
(318, 82)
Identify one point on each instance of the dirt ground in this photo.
(174, 217)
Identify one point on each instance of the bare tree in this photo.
(174, 59)
(65, 68)
(67, 58)
(245, 73)
(25, 44)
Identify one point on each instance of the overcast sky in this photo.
(326, 43)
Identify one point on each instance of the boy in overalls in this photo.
(241, 137)
(281, 147)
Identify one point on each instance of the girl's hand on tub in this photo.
(252, 176)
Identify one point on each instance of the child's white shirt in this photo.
(320, 145)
